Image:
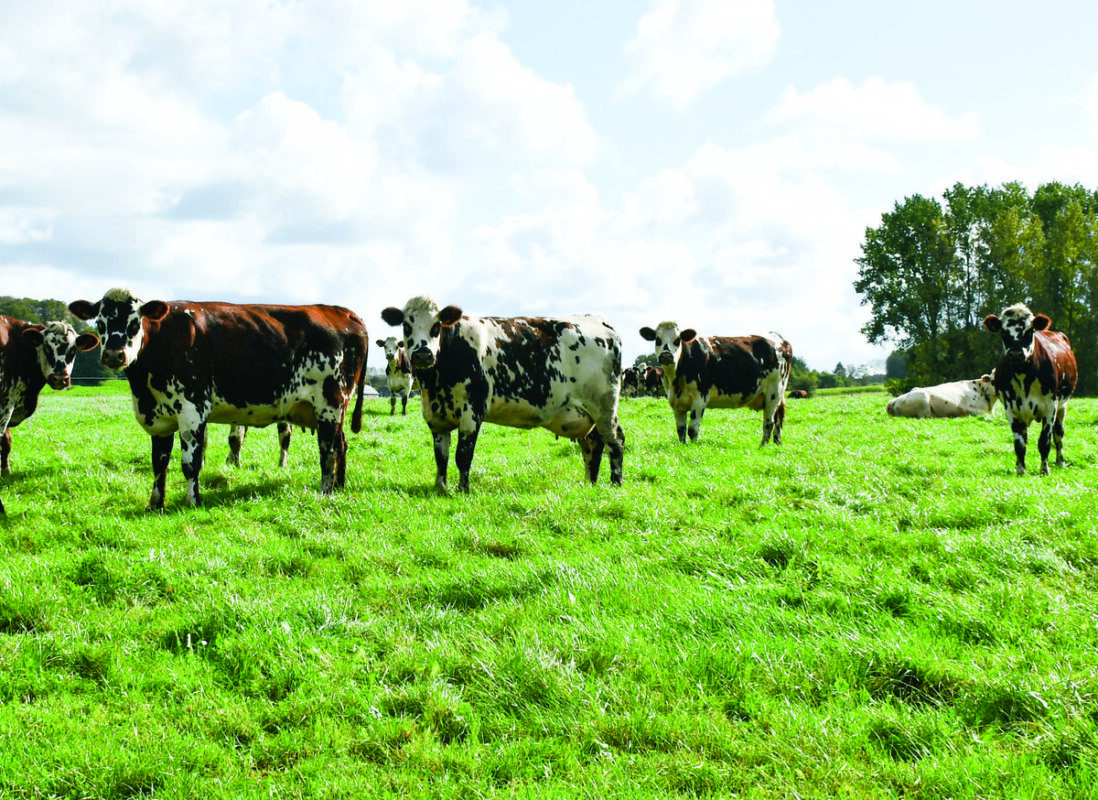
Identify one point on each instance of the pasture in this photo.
(876, 608)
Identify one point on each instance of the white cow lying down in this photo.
(957, 399)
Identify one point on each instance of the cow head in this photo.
(118, 317)
(391, 346)
(422, 322)
(56, 344)
(668, 340)
(985, 389)
(1017, 325)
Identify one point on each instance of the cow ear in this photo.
(393, 316)
(154, 310)
(82, 309)
(449, 316)
(648, 334)
(34, 335)
(1042, 322)
(380, 342)
(400, 344)
(688, 335)
(86, 342)
(993, 323)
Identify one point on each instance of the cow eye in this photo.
(678, 340)
(407, 331)
(436, 329)
(133, 328)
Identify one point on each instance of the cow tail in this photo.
(356, 416)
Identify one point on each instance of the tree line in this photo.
(934, 268)
(86, 368)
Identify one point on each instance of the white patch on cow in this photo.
(954, 399)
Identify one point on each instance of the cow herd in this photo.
(191, 364)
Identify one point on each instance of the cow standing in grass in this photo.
(190, 364)
(33, 356)
(1035, 378)
(523, 372)
(398, 373)
(701, 372)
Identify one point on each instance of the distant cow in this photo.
(632, 380)
(957, 399)
(190, 364)
(798, 394)
(33, 356)
(722, 372)
(398, 373)
(652, 383)
(1034, 378)
(523, 372)
(236, 440)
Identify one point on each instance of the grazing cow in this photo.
(956, 399)
(632, 380)
(190, 364)
(31, 357)
(1034, 378)
(398, 373)
(523, 372)
(798, 394)
(722, 372)
(236, 440)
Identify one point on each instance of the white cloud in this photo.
(684, 47)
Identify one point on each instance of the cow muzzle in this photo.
(59, 380)
(667, 358)
(423, 358)
(113, 359)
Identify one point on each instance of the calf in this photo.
(1034, 378)
(652, 384)
(722, 372)
(523, 372)
(31, 357)
(236, 440)
(632, 380)
(190, 364)
(956, 399)
(398, 373)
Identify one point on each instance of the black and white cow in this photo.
(190, 364)
(953, 399)
(701, 372)
(1034, 379)
(398, 373)
(237, 434)
(523, 372)
(33, 356)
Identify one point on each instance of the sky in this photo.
(711, 162)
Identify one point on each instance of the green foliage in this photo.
(932, 270)
(879, 607)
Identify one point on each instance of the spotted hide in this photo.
(955, 399)
(190, 364)
(1034, 379)
(237, 434)
(32, 356)
(523, 372)
(398, 373)
(722, 372)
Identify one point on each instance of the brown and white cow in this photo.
(652, 383)
(1034, 378)
(523, 372)
(701, 372)
(33, 356)
(955, 399)
(398, 373)
(237, 434)
(190, 364)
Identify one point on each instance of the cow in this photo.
(652, 383)
(398, 373)
(522, 372)
(955, 399)
(722, 372)
(190, 364)
(32, 356)
(798, 394)
(236, 440)
(1035, 378)
(632, 380)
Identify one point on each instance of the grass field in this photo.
(876, 608)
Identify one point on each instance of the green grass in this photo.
(877, 608)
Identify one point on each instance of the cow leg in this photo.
(327, 440)
(341, 458)
(161, 458)
(1058, 434)
(1044, 442)
(442, 457)
(192, 445)
(1018, 428)
(680, 424)
(5, 451)
(696, 415)
(463, 458)
(772, 422)
(404, 403)
(285, 432)
(392, 403)
(236, 439)
(592, 446)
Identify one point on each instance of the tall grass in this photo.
(876, 608)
